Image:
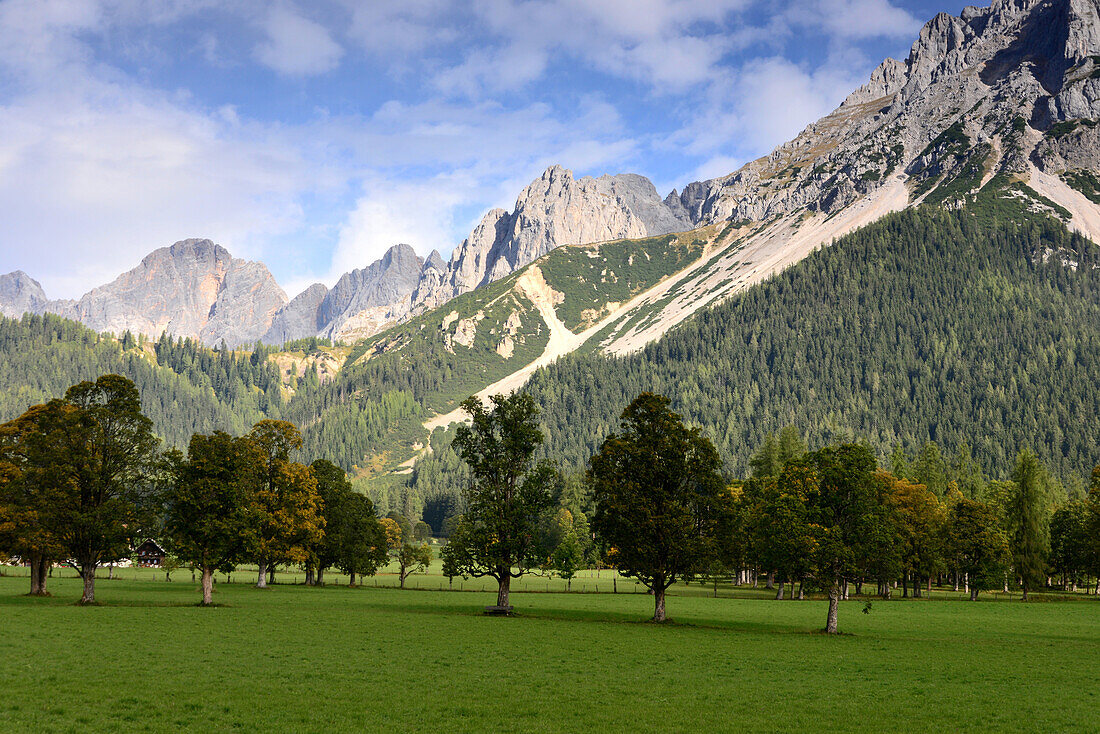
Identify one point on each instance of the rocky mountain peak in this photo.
(998, 78)
(383, 284)
(553, 210)
(192, 288)
(20, 294)
(436, 261)
(298, 319)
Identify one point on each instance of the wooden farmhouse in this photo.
(149, 554)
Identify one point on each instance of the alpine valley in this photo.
(918, 266)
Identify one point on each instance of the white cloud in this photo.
(420, 214)
(297, 46)
(855, 19)
(777, 99)
(401, 28)
(93, 183)
(715, 167)
(669, 44)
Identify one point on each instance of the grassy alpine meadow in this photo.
(293, 658)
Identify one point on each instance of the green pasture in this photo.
(301, 659)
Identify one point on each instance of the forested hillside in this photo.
(185, 387)
(925, 326)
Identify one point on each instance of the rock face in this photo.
(380, 285)
(557, 209)
(985, 88)
(194, 288)
(20, 294)
(298, 319)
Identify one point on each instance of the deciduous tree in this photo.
(843, 515)
(286, 508)
(33, 488)
(354, 540)
(977, 544)
(918, 520)
(660, 497)
(506, 493)
(412, 558)
(207, 510)
(110, 450)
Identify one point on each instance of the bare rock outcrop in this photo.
(194, 288)
(553, 210)
(20, 294)
(380, 285)
(979, 89)
(298, 319)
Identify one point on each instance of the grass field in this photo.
(304, 659)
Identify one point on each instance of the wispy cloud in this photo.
(296, 45)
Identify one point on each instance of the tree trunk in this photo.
(859, 587)
(778, 594)
(87, 572)
(320, 579)
(844, 593)
(207, 586)
(800, 595)
(916, 586)
(905, 586)
(39, 566)
(974, 593)
(351, 579)
(261, 577)
(271, 574)
(36, 585)
(771, 580)
(834, 599)
(309, 575)
(505, 583)
(401, 575)
(659, 603)
(1024, 597)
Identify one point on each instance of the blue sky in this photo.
(313, 135)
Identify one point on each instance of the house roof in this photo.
(156, 545)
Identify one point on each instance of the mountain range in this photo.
(196, 289)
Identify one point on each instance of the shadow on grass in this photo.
(524, 613)
(26, 600)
